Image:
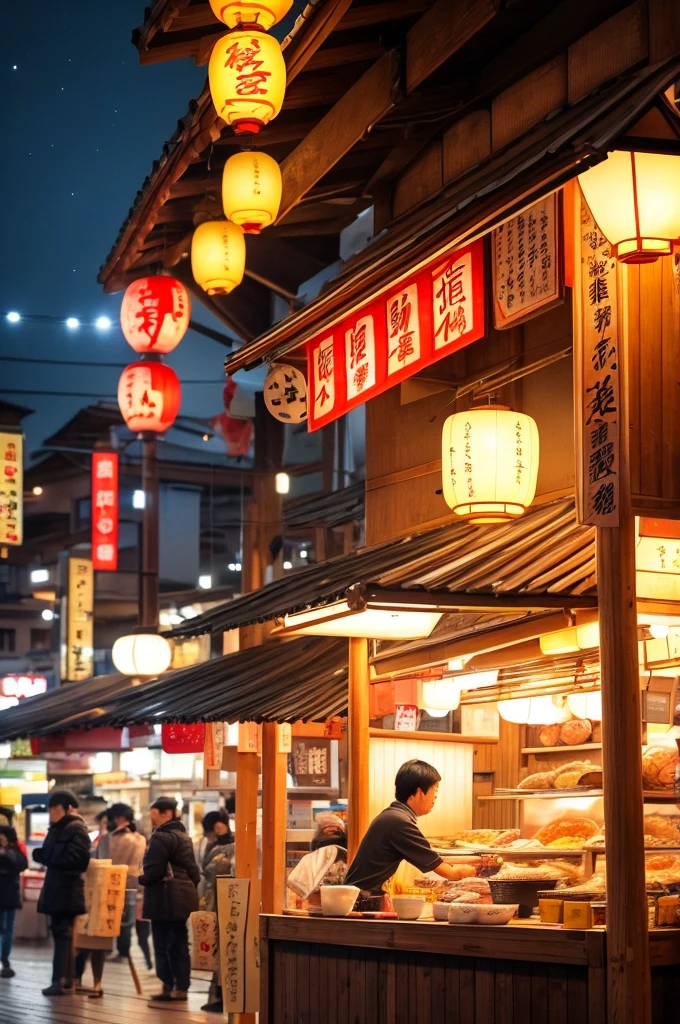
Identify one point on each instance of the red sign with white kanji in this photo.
(431, 314)
(105, 511)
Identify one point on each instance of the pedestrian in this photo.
(217, 861)
(65, 854)
(12, 862)
(124, 845)
(102, 820)
(170, 877)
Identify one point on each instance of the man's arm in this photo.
(454, 874)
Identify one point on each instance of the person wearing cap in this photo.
(170, 877)
(123, 844)
(65, 854)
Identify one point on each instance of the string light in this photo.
(13, 317)
(72, 322)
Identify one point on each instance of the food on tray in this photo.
(526, 873)
(548, 735)
(468, 890)
(575, 731)
(468, 837)
(595, 842)
(541, 780)
(574, 766)
(525, 844)
(663, 826)
(658, 767)
(506, 838)
(570, 780)
(662, 869)
(566, 843)
(581, 828)
(567, 776)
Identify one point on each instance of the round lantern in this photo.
(437, 712)
(251, 190)
(149, 396)
(586, 705)
(489, 463)
(441, 695)
(531, 711)
(247, 77)
(218, 256)
(183, 739)
(155, 314)
(141, 654)
(285, 393)
(635, 200)
(249, 12)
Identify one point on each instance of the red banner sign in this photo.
(105, 511)
(429, 315)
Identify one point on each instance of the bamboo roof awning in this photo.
(327, 510)
(304, 680)
(543, 560)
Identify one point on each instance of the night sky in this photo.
(83, 123)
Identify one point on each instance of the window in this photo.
(83, 513)
(41, 639)
(8, 641)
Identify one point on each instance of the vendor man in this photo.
(394, 835)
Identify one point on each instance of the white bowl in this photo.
(338, 900)
(440, 911)
(408, 908)
(462, 913)
(482, 913)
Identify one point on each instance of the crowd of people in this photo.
(168, 878)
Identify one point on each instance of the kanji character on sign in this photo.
(604, 501)
(358, 346)
(105, 499)
(105, 469)
(602, 403)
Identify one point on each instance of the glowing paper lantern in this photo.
(249, 12)
(441, 695)
(149, 396)
(218, 256)
(141, 654)
(489, 463)
(531, 711)
(586, 705)
(251, 190)
(155, 314)
(635, 200)
(183, 739)
(247, 77)
(285, 394)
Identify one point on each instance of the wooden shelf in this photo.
(650, 796)
(563, 749)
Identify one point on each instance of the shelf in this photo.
(563, 749)
(650, 796)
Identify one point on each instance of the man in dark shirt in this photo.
(394, 835)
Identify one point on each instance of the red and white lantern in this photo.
(149, 396)
(155, 314)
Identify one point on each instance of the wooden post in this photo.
(274, 819)
(358, 741)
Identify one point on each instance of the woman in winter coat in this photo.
(12, 863)
(218, 860)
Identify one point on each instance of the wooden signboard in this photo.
(11, 488)
(77, 621)
(311, 762)
(527, 271)
(238, 944)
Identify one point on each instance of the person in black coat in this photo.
(12, 863)
(170, 877)
(66, 854)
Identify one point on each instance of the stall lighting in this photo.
(282, 483)
(572, 640)
(658, 631)
(138, 499)
(14, 317)
(37, 491)
(72, 322)
(40, 575)
(371, 621)
(141, 654)
(441, 695)
(304, 553)
(477, 680)
(532, 711)
(586, 705)
(287, 565)
(436, 712)
(205, 582)
(456, 664)
(47, 614)
(102, 323)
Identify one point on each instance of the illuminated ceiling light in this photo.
(373, 619)
(206, 437)
(138, 499)
(588, 636)
(441, 694)
(141, 654)
(102, 323)
(282, 483)
(188, 612)
(205, 582)
(658, 631)
(13, 317)
(564, 641)
(635, 200)
(456, 664)
(237, 566)
(72, 322)
(477, 680)
(47, 614)
(531, 711)
(251, 190)
(40, 575)
(489, 463)
(287, 565)
(304, 553)
(436, 712)
(586, 705)
(37, 490)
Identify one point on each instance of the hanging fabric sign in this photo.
(598, 378)
(429, 315)
(11, 488)
(526, 264)
(105, 511)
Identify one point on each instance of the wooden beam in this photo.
(350, 54)
(358, 744)
(377, 14)
(274, 817)
(440, 33)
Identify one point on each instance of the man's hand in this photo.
(455, 874)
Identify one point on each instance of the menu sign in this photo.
(11, 488)
(232, 917)
(599, 385)
(105, 511)
(78, 647)
(429, 315)
(526, 266)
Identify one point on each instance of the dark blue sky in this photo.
(83, 123)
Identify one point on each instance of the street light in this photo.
(102, 323)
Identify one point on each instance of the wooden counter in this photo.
(401, 972)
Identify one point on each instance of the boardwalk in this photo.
(21, 1001)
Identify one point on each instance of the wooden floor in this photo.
(21, 1001)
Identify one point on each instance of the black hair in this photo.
(120, 811)
(230, 804)
(165, 803)
(10, 833)
(412, 776)
(336, 837)
(62, 798)
(211, 819)
(102, 814)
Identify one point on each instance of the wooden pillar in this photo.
(274, 819)
(358, 740)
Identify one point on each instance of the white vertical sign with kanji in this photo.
(360, 356)
(403, 329)
(452, 300)
(323, 398)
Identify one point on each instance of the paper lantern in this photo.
(251, 190)
(247, 78)
(183, 739)
(249, 12)
(635, 200)
(149, 396)
(141, 654)
(489, 463)
(285, 394)
(218, 256)
(437, 712)
(531, 711)
(569, 641)
(441, 694)
(586, 705)
(155, 314)
(477, 680)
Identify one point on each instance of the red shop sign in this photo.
(105, 511)
(429, 315)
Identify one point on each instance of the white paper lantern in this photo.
(532, 711)
(285, 394)
(437, 712)
(586, 705)
(141, 654)
(441, 695)
(489, 463)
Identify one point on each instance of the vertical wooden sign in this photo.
(527, 272)
(232, 917)
(77, 645)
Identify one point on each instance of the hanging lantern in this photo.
(532, 711)
(149, 396)
(586, 705)
(141, 654)
(251, 190)
(285, 393)
(242, 12)
(183, 739)
(441, 695)
(155, 313)
(489, 463)
(247, 77)
(635, 200)
(218, 256)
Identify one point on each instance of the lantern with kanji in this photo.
(285, 394)
(251, 190)
(149, 396)
(218, 256)
(264, 13)
(635, 200)
(155, 314)
(489, 463)
(247, 77)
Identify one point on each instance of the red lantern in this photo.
(155, 314)
(149, 396)
(183, 739)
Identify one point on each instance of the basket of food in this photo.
(524, 891)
